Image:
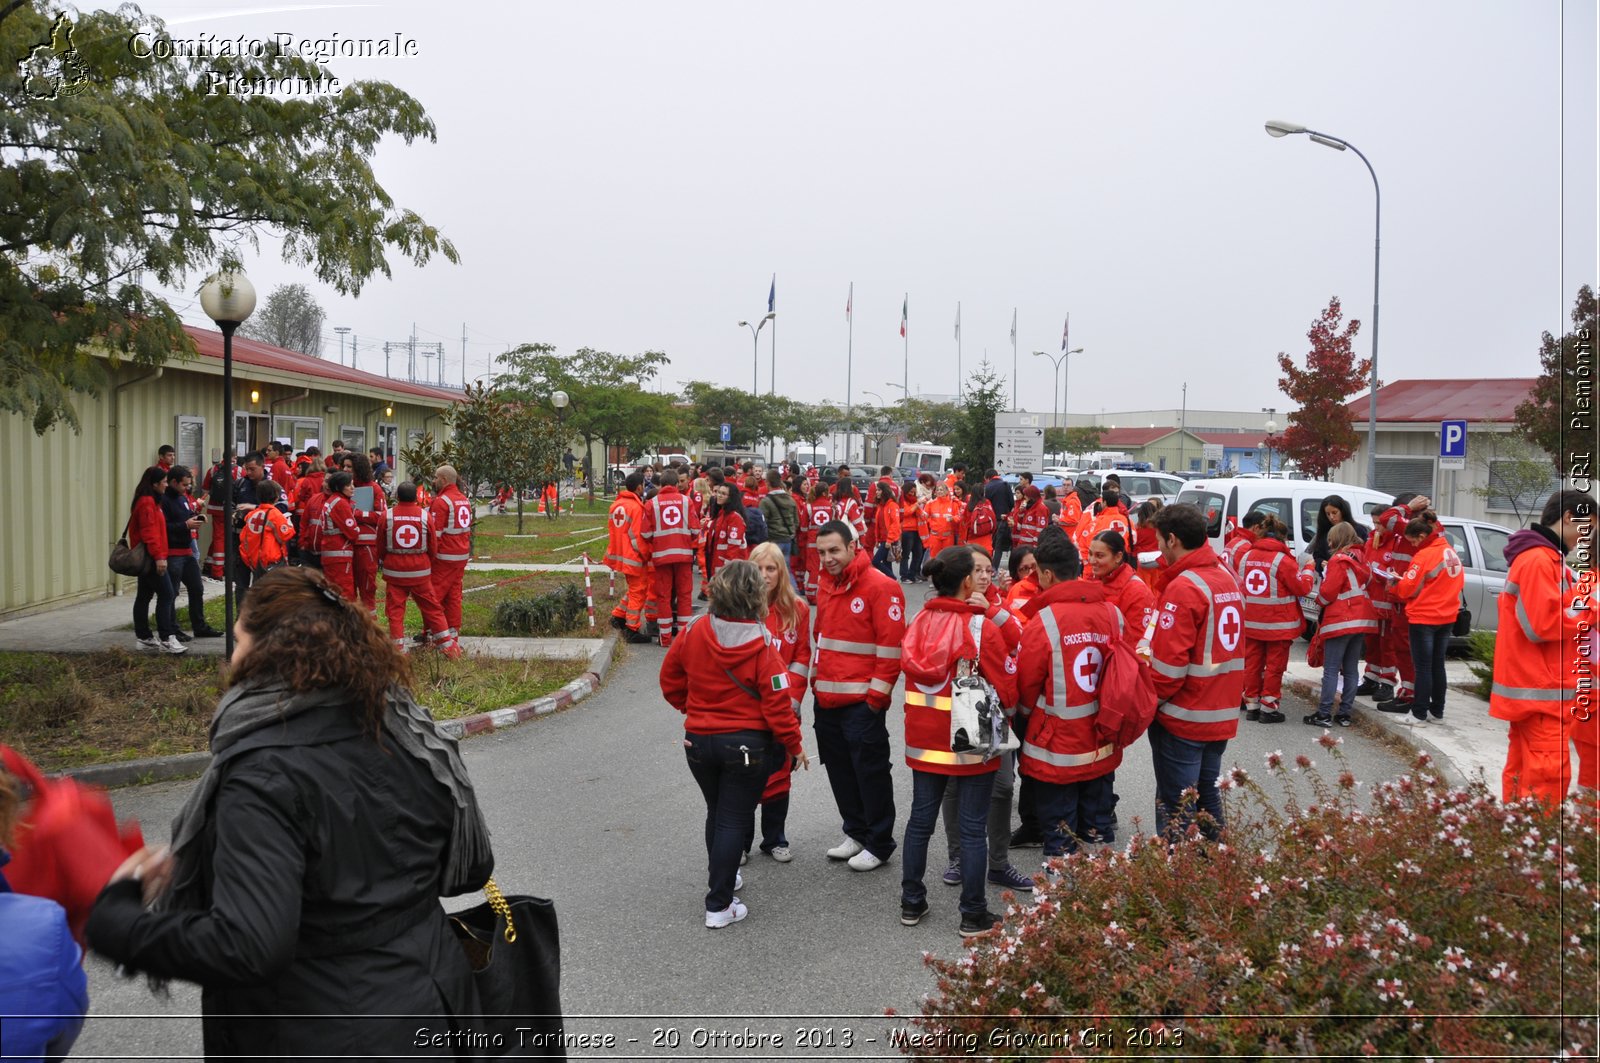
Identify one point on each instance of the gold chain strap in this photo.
(497, 901)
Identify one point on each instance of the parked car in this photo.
(1138, 486)
(1041, 481)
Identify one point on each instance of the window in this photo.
(354, 436)
(190, 439)
(388, 441)
(1456, 536)
(930, 462)
(299, 431)
(1492, 541)
(1211, 504)
(1397, 475)
(1281, 508)
(1524, 504)
(1309, 510)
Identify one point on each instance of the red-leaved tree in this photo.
(1319, 437)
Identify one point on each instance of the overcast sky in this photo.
(630, 175)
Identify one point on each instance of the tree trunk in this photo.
(519, 511)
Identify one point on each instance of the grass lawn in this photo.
(69, 710)
(481, 591)
(543, 541)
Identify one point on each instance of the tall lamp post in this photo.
(1327, 140)
(755, 339)
(228, 298)
(558, 399)
(1059, 361)
(1272, 428)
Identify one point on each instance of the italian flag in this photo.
(903, 317)
(780, 681)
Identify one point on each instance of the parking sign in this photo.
(1452, 444)
(727, 432)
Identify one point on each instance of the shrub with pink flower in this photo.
(1424, 922)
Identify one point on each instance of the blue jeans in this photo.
(1428, 645)
(774, 811)
(972, 796)
(853, 745)
(910, 556)
(999, 816)
(1069, 812)
(154, 585)
(1181, 763)
(788, 554)
(183, 573)
(881, 560)
(732, 771)
(1340, 657)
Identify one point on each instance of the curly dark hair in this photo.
(307, 636)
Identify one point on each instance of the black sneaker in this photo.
(635, 638)
(618, 622)
(1317, 720)
(979, 923)
(184, 637)
(207, 633)
(420, 638)
(1026, 838)
(1368, 687)
(1437, 714)
(1385, 692)
(1343, 721)
(1394, 705)
(911, 914)
(1253, 715)
(1420, 714)
(1272, 716)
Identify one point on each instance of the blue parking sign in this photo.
(727, 432)
(1452, 444)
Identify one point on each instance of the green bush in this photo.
(1480, 657)
(540, 614)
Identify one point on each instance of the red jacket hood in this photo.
(1270, 546)
(736, 639)
(1072, 591)
(937, 639)
(1193, 559)
(1355, 557)
(852, 572)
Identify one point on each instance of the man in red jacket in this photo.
(1197, 653)
(1390, 674)
(450, 522)
(407, 565)
(666, 540)
(861, 622)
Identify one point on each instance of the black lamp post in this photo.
(228, 298)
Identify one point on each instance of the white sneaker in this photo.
(738, 880)
(845, 849)
(744, 858)
(865, 861)
(173, 646)
(727, 917)
(781, 854)
(152, 643)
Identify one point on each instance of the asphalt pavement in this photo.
(594, 807)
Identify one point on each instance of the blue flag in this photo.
(772, 295)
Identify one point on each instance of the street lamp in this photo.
(1272, 428)
(1057, 397)
(559, 400)
(228, 298)
(755, 338)
(343, 330)
(1283, 129)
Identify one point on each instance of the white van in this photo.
(1295, 502)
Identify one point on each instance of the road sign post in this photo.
(1018, 443)
(1453, 445)
(727, 432)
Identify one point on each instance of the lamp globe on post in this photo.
(228, 298)
(1272, 429)
(559, 400)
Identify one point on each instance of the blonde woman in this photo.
(789, 633)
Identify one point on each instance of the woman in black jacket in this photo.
(306, 867)
(1334, 510)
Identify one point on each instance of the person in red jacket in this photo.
(818, 512)
(407, 564)
(860, 625)
(667, 538)
(1273, 585)
(847, 508)
(625, 555)
(341, 529)
(725, 538)
(1241, 539)
(788, 626)
(1347, 619)
(1064, 650)
(885, 527)
(1545, 659)
(734, 692)
(1431, 590)
(981, 520)
(367, 549)
(1029, 518)
(950, 637)
(1024, 569)
(148, 526)
(450, 520)
(1390, 677)
(280, 472)
(1196, 651)
(1111, 566)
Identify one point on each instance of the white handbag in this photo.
(977, 719)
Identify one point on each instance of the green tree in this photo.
(421, 458)
(477, 442)
(748, 417)
(1560, 409)
(1514, 469)
(291, 319)
(811, 424)
(1071, 442)
(533, 441)
(139, 173)
(974, 439)
(930, 422)
(1319, 436)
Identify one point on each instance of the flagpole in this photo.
(958, 352)
(849, 367)
(1013, 359)
(772, 385)
(905, 383)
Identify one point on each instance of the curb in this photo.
(192, 765)
(1447, 767)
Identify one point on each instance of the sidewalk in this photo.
(1466, 744)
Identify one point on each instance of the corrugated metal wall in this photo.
(67, 494)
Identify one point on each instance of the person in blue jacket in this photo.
(44, 992)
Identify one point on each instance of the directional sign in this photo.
(727, 432)
(1018, 443)
(1452, 444)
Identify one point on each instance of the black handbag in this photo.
(514, 948)
(1463, 625)
(134, 561)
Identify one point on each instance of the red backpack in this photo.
(1127, 695)
(982, 522)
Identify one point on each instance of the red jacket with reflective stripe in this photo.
(861, 622)
(1134, 600)
(341, 524)
(625, 550)
(665, 531)
(793, 648)
(1431, 586)
(405, 556)
(1272, 585)
(450, 520)
(1539, 660)
(1347, 608)
(727, 541)
(1240, 540)
(1388, 555)
(937, 641)
(1197, 649)
(1064, 649)
(850, 511)
(886, 525)
(724, 677)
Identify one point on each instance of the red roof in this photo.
(1425, 401)
(1132, 437)
(1231, 440)
(266, 356)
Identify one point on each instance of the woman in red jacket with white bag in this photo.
(147, 525)
(723, 676)
(949, 637)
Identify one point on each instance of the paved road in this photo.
(595, 808)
